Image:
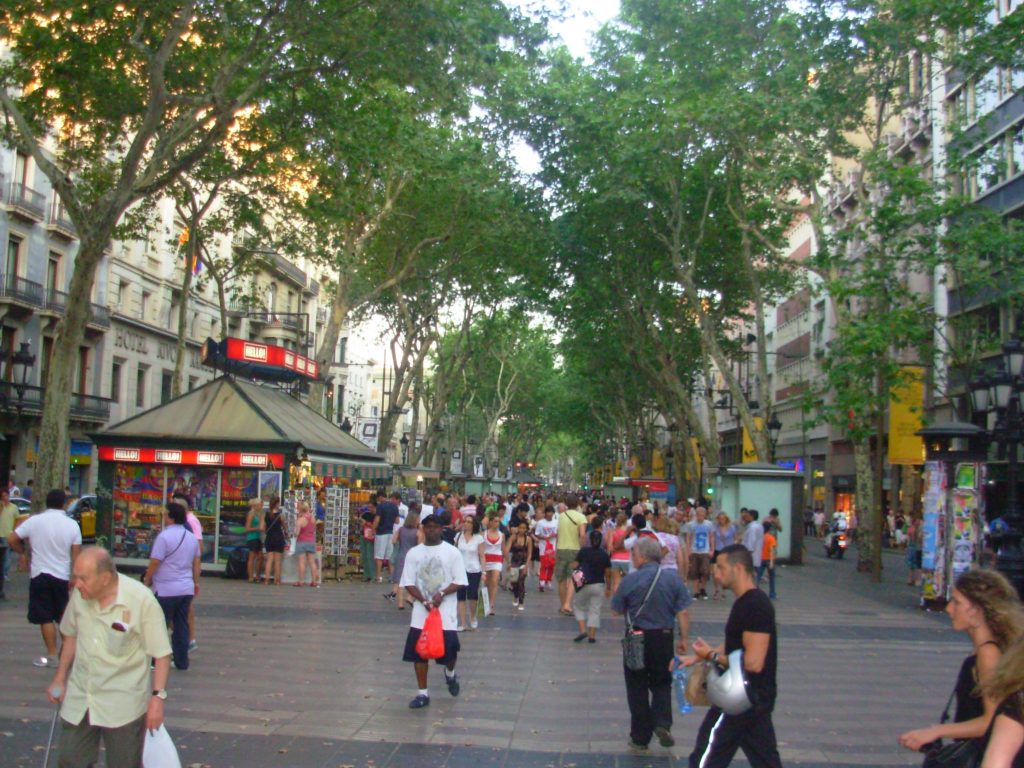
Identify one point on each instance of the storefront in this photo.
(221, 444)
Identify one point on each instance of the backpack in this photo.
(237, 565)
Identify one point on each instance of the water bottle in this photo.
(680, 675)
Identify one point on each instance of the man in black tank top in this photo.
(751, 627)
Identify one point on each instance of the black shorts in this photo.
(472, 591)
(253, 545)
(47, 599)
(275, 546)
(451, 647)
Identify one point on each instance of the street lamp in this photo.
(404, 442)
(444, 457)
(1002, 392)
(774, 428)
(346, 426)
(19, 367)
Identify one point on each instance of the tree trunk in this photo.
(867, 538)
(52, 461)
(329, 340)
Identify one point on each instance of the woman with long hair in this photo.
(494, 556)
(518, 549)
(305, 545)
(1005, 747)
(252, 539)
(272, 527)
(471, 545)
(407, 536)
(725, 536)
(985, 606)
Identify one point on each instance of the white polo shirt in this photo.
(51, 535)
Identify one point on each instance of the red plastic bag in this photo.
(431, 642)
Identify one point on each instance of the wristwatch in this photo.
(161, 694)
(713, 657)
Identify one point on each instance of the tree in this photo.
(132, 95)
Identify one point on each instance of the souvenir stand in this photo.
(228, 441)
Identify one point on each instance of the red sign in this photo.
(268, 354)
(179, 456)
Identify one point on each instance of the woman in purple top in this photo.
(173, 573)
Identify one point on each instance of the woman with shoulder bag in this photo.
(305, 545)
(1005, 739)
(596, 567)
(471, 546)
(985, 606)
(173, 573)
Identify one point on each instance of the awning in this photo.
(349, 469)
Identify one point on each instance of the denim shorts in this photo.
(305, 547)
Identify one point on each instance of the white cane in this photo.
(56, 692)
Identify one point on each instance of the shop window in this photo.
(237, 487)
(166, 386)
(200, 485)
(140, 386)
(138, 499)
(115, 381)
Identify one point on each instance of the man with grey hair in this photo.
(655, 601)
(112, 627)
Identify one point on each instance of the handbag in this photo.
(957, 754)
(579, 579)
(633, 642)
(697, 685)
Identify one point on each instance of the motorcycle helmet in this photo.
(727, 688)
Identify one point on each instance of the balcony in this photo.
(99, 316)
(83, 407)
(283, 267)
(58, 222)
(272, 319)
(25, 203)
(20, 293)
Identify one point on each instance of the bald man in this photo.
(112, 627)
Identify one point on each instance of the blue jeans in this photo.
(771, 577)
(176, 614)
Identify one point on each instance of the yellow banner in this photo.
(906, 404)
(657, 464)
(695, 447)
(749, 452)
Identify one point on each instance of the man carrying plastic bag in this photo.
(433, 573)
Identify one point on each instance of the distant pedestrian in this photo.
(572, 527)
(173, 573)
(494, 557)
(433, 573)
(470, 544)
(383, 525)
(8, 515)
(654, 602)
(914, 555)
(751, 630)
(753, 535)
(305, 545)
(546, 533)
(768, 560)
(596, 566)
(253, 541)
(55, 540)
(114, 627)
(701, 543)
(274, 536)
(518, 549)
(617, 550)
(366, 544)
(403, 540)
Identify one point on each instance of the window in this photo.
(53, 283)
(339, 403)
(992, 166)
(166, 386)
(272, 297)
(140, 386)
(115, 381)
(83, 371)
(291, 302)
(44, 364)
(7, 347)
(144, 307)
(21, 169)
(342, 344)
(11, 263)
(373, 411)
(115, 294)
(1017, 151)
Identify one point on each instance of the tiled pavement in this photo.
(289, 677)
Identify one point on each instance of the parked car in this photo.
(82, 511)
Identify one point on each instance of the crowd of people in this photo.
(647, 562)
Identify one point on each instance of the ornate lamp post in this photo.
(19, 367)
(774, 428)
(1002, 393)
(404, 442)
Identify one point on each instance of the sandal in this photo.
(299, 584)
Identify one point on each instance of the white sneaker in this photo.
(515, 603)
(45, 661)
(460, 628)
(521, 607)
(473, 624)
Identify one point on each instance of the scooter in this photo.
(835, 544)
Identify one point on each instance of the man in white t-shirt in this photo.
(55, 540)
(700, 547)
(545, 532)
(432, 575)
(753, 535)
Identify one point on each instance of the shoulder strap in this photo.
(949, 703)
(631, 621)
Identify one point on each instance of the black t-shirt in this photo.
(1013, 708)
(593, 563)
(753, 612)
(387, 514)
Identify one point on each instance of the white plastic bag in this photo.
(159, 751)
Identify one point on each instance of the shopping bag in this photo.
(485, 600)
(159, 751)
(431, 642)
(697, 685)
(291, 546)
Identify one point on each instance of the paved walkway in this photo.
(289, 677)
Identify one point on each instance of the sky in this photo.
(582, 19)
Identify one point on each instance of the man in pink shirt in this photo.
(197, 530)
